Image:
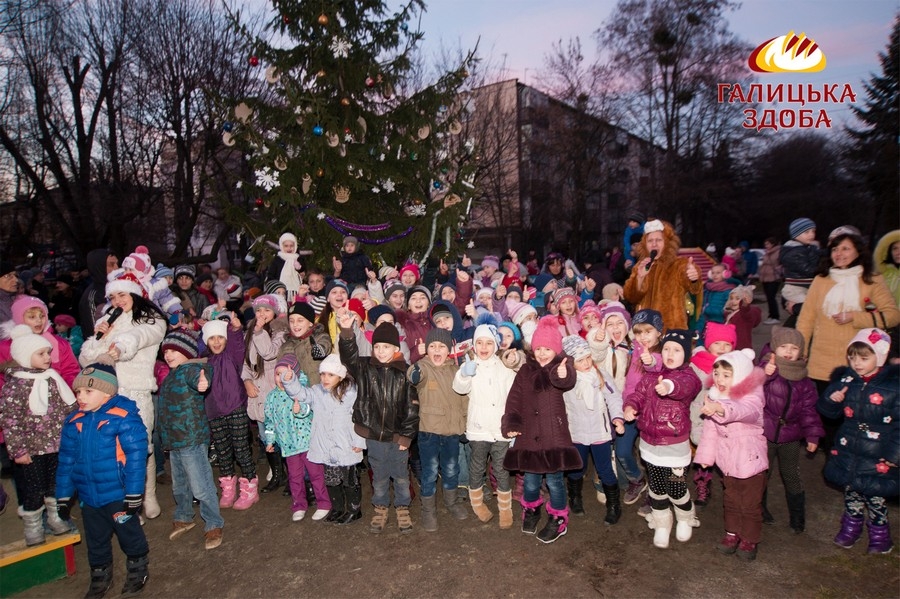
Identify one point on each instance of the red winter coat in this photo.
(665, 420)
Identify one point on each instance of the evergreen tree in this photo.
(339, 146)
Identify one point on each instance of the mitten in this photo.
(133, 504)
(468, 367)
(415, 377)
(318, 352)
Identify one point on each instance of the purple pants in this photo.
(298, 466)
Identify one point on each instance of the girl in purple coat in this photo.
(733, 440)
(661, 404)
(790, 417)
(226, 408)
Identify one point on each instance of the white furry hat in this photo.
(332, 364)
(25, 343)
(215, 328)
(741, 362)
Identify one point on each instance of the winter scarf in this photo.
(844, 296)
(39, 398)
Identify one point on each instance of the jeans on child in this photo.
(99, 527)
(388, 462)
(465, 452)
(555, 485)
(192, 477)
(438, 451)
(625, 452)
(601, 453)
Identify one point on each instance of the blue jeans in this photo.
(625, 452)
(555, 485)
(388, 462)
(438, 451)
(192, 477)
(601, 453)
(465, 451)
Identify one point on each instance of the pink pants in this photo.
(298, 466)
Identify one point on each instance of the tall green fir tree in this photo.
(343, 139)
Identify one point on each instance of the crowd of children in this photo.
(490, 381)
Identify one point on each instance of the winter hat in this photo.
(716, 332)
(139, 260)
(332, 365)
(182, 342)
(417, 289)
(214, 328)
(200, 279)
(378, 311)
(745, 292)
(289, 361)
(439, 308)
(287, 237)
(391, 286)
(635, 215)
(783, 335)
(564, 292)
(648, 316)
(653, 226)
(800, 226)
(844, 230)
(360, 292)
(270, 287)
(519, 311)
(64, 320)
(741, 363)
(23, 304)
(682, 337)
(127, 282)
(336, 283)
(514, 288)
(590, 307)
(185, 270)
(163, 271)
(356, 306)
(547, 334)
(384, 271)
(439, 336)
(303, 309)
(101, 375)
(6, 267)
(486, 331)
(877, 340)
(542, 280)
(25, 343)
(490, 260)
(410, 268)
(386, 333)
(617, 309)
(576, 347)
(517, 334)
(270, 301)
(488, 291)
(350, 239)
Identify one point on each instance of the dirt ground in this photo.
(264, 554)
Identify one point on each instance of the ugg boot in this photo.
(685, 521)
(476, 498)
(504, 507)
(575, 488)
(34, 526)
(429, 514)
(57, 525)
(151, 505)
(101, 580)
(797, 511)
(336, 495)
(229, 491)
(379, 519)
(661, 522)
(880, 538)
(531, 515)
(404, 521)
(613, 506)
(138, 572)
(851, 529)
(249, 494)
(454, 505)
(768, 518)
(276, 467)
(353, 500)
(556, 526)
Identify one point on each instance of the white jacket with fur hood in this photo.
(487, 392)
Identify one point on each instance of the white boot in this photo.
(661, 522)
(151, 506)
(57, 525)
(685, 523)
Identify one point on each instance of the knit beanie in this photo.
(138, 260)
(127, 282)
(392, 286)
(386, 333)
(576, 347)
(648, 316)
(25, 343)
(417, 289)
(350, 239)
(214, 328)
(615, 309)
(202, 278)
(64, 320)
(287, 237)
(564, 292)
(517, 334)
(270, 301)
(101, 375)
(23, 304)
(490, 261)
(185, 270)
(877, 340)
(336, 283)
(682, 337)
(741, 363)
(384, 271)
(590, 307)
(378, 311)
(410, 268)
(635, 215)
(721, 332)
(289, 361)
(519, 311)
(303, 309)
(800, 226)
(439, 336)
(514, 288)
(356, 306)
(542, 280)
(360, 291)
(163, 271)
(547, 334)
(486, 331)
(6, 267)
(784, 335)
(332, 365)
(182, 342)
(271, 287)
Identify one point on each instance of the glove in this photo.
(64, 508)
(318, 352)
(468, 367)
(133, 504)
(416, 375)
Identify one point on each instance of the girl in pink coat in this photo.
(733, 440)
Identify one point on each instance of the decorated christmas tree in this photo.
(337, 146)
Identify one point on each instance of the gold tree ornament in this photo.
(227, 139)
(341, 194)
(272, 75)
(455, 127)
(307, 183)
(243, 112)
(323, 19)
(424, 131)
(281, 163)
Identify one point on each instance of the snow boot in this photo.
(476, 498)
(454, 505)
(556, 526)
(613, 506)
(504, 506)
(101, 580)
(353, 498)
(880, 538)
(576, 502)
(249, 494)
(229, 491)
(57, 525)
(685, 521)
(151, 505)
(34, 527)
(429, 514)
(661, 522)
(797, 511)
(531, 515)
(137, 575)
(276, 466)
(336, 495)
(851, 529)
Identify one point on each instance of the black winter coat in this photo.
(387, 405)
(869, 436)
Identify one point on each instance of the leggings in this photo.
(232, 439)
(668, 485)
(788, 465)
(856, 503)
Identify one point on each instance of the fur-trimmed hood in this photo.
(751, 382)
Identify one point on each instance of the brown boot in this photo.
(476, 497)
(504, 504)
(379, 519)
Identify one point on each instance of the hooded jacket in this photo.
(665, 420)
(182, 421)
(226, 389)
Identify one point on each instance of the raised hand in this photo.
(599, 334)
(500, 292)
(711, 407)
(647, 358)
(443, 268)
(202, 382)
(561, 369)
(466, 261)
(469, 366)
(113, 351)
(287, 375)
(420, 345)
(838, 396)
(462, 276)
(371, 275)
(770, 365)
(337, 265)
(692, 273)
(470, 309)
(662, 389)
(590, 284)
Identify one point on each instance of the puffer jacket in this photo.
(416, 327)
(226, 389)
(868, 434)
(735, 442)
(387, 406)
(103, 454)
(487, 392)
(799, 260)
(26, 432)
(182, 421)
(665, 420)
(138, 344)
(801, 421)
(591, 406)
(290, 431)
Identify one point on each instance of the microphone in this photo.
(653, 254)
(113, 315)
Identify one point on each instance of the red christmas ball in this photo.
(254, 61)
(259, 202)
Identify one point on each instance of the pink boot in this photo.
(229, 491)
(249, 494)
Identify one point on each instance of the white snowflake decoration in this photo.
(266, 178)
(470, 245)
(239, 184)
(415, 210)
(348, 137)
(388, 185)
(340, 47)
(321, 216)
(376, 190)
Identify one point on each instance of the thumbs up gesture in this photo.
(202, 382)
(468, 367)
(711, 407)
(371, 275)
(466, 261)
(561, 369)
(662, 387)
(599, 333)
(692, 273)
(838, 396)
(770, 366)
(470, 309)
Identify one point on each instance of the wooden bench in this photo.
(22, 567)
